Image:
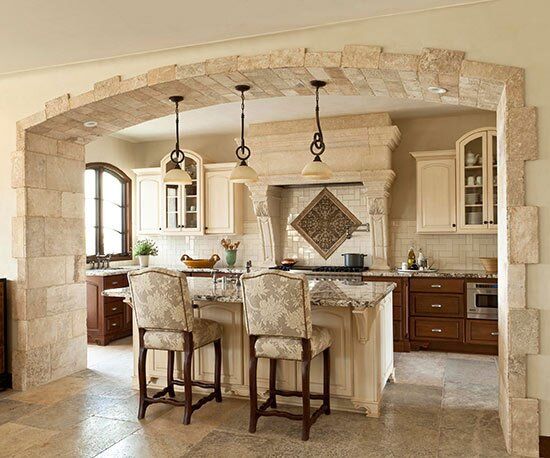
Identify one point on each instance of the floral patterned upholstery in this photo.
(276, 304)
(291, 347)
(278, 311)
(204, 332)
(163, 307)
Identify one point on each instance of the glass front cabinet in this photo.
(182, 206)
(477, 182)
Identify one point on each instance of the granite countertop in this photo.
(437, 274)
(324, 293)
(125, 269)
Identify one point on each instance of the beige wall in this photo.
(505, 31)
(426, 134)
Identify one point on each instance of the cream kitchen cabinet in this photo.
(477, 182)
(224, 200)
(148, 191)
(435, 191)
(182, 207)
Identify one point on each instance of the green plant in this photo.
(145, 247)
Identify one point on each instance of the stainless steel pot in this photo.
(354, 259)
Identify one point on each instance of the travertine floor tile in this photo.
(52, 392)
(15, 439)
(11, 410)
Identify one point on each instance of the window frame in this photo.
(100, 168)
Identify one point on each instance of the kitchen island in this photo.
(358, 315)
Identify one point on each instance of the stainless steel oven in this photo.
(482, 300)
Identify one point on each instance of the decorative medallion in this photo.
(325, 223)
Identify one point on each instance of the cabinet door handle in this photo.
(454, 225)
(113, 325)
(114, 309)
(494, 334)
(115, 283)
(436, 330)
(436, 306)
(436, 286)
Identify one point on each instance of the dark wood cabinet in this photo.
(437, 329)
(482, 332)
(5, 377)
(109, 318)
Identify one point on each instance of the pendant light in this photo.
(242, 173)
(177, 175)
(317, 170)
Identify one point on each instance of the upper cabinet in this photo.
(223, 207)
(456, 190)
(148, 192)
(435, 191)
(477, 182)
(183, 206)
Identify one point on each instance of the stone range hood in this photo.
(358, 150)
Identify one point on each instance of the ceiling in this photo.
(36, 34)
(225, 118)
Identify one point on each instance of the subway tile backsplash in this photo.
(448, 251)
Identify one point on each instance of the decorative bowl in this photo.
(200, 263)
(288, 262)
(490, 265)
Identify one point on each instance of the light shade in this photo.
(316, 170)
(242, 173)
(177, 176)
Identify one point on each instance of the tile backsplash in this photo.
(449, 251)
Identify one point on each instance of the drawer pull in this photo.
(114, 309)
(436, 330)
(436, 306)
(115, 283)
(494, 334)
(113, 325)
(436, 286)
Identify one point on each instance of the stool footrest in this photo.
(263, 412)
(297, 394)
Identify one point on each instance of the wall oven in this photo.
(482, 300)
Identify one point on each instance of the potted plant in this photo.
(230, 251)
(143, 249)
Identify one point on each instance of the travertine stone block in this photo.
(484, 70)
(36, 303)
(435, 60)
(40, 144)
(75, 269)
(31, 368)
(68, 357)
(161, 75)
(28, 236)
(57, 106)
(28, 169)
(72, 205)
(514, 90)
(71, 150)
(521, 134)
(524, 415)
(394, 61)
(48, 330)
(516, 286)
(523, 326)
(361, 56)
(323, 59)
(190, 70)
(107, 88)
(65, 298)
(45, 271)
(28, 122)
(517, 376)
(41, 202)
(64, 236)
(523, 232)
(18, 237)
(514, 189)
(81, 100)
(251, 63)
(64, 174)
(221, 65)
(78, 321)
(292, 57)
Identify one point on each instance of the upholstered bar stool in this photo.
(164, 315)
(278, 321)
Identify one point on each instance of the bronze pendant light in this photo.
(177, 175)
(243, 173)
(317, 169)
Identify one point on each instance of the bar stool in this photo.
(278, 321)
(164, 315)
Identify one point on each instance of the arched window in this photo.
(108, 211)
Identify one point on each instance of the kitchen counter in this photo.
(438, 274)
(323, 293)
(125, 269)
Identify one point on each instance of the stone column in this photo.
(376, 193)
(267, 202)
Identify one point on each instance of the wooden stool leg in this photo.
(272, 382)
(187, 381)
(170, 374)
(141, 377)
(252, 372)
(218, 370)
(326, 380)
(306, 411)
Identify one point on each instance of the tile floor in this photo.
(441, 405)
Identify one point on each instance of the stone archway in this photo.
(47, 300)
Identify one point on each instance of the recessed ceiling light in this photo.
(437, 90)
(90, 124)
